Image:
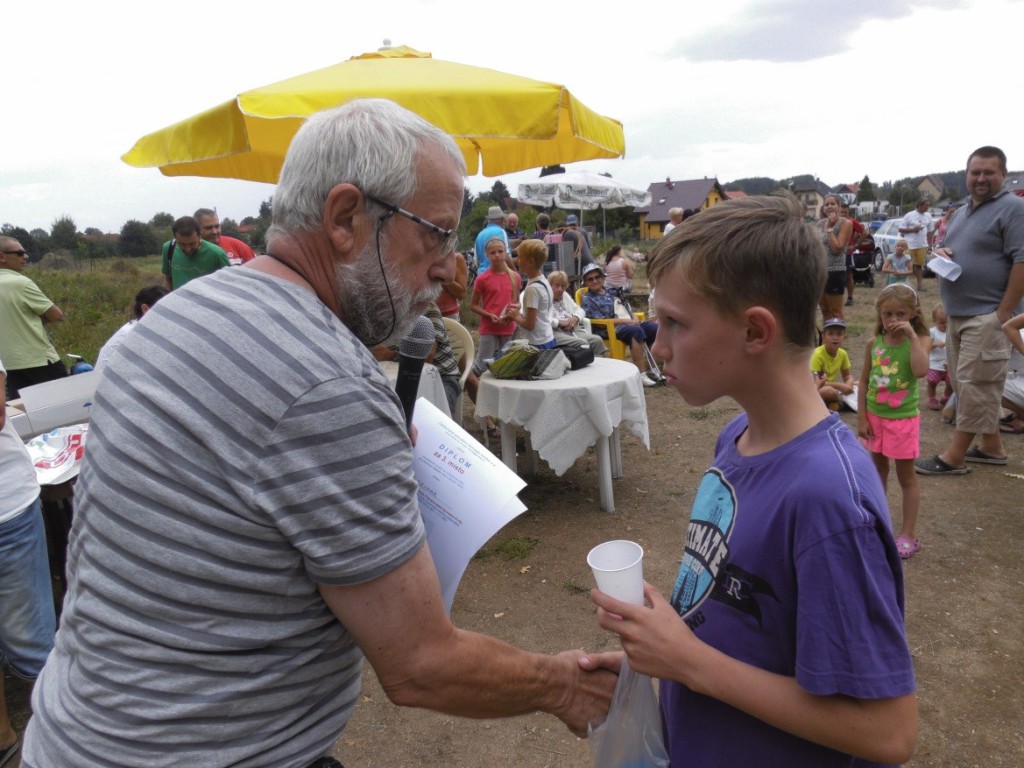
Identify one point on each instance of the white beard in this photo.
(363, 297)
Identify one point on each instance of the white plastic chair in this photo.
(465, 351)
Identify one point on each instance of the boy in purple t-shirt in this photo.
(783, 641)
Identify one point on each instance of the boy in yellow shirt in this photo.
(830, 366)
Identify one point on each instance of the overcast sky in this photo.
(729, 89)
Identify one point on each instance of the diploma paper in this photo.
(466, 493)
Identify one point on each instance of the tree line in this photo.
(143, 238)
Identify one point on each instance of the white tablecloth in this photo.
(565, 416)
(430, 384)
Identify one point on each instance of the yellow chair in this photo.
(616, 349)
(465, 351)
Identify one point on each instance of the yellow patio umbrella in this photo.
(503, 122)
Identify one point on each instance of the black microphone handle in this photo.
(408, 383)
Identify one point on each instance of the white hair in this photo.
(370, 143)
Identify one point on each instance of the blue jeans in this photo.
(645, 331)
(27, 622)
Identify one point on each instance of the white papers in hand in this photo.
(466, 494)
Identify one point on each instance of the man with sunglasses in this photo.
(25, 348)
(246, 526)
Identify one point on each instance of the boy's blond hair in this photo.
(901, 240)
(533, 251)
(752, 251)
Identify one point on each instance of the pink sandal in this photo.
(907, 547)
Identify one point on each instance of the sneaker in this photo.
(647, 381)
(933, 404)
(849, 302)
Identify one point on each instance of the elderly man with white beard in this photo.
(246, 526)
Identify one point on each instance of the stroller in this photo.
(861, 259)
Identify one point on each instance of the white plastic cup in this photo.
(944, 268)
(618, 568)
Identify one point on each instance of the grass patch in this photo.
(699, 414)
(508, 549)
(95, 297)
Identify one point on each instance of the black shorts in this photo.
(836, 283)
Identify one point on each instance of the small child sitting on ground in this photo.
(937, 369)
(830, 365)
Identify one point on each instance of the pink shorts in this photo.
(935, 376)
(894, 438)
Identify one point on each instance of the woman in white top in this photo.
(567, 318)
(144, 300)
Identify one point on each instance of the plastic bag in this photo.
(631, 736)
(57, 455)
(551, 364)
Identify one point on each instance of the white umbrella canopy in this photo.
(583, 191)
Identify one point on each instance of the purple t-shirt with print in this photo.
(790, 566)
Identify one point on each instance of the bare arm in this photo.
(838, 243)
(848, 382)
(918, 354)
(457, 287)
(526, 320)
(1012, 329)
(660, 644)
(863, 427)
(422, 660)
(476, 306)
(53, 315)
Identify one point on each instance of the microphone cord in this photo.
(383, 276)
(387, 287)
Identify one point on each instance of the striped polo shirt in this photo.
(244, 447)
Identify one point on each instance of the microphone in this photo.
(412, 352)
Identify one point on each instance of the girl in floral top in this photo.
(888, 419)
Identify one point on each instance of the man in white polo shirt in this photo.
(916, 227)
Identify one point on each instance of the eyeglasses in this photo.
(448, 240)
(19, 252)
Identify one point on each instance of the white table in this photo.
(430, 387)
(563, 417)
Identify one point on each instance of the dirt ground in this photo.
(965, 594)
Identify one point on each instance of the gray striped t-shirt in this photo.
(244, 446)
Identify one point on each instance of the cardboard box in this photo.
(55, 404)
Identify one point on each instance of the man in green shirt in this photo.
(25, 348)
(188, 256)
